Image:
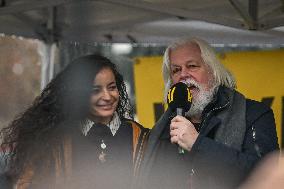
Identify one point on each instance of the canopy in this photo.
(245, 22)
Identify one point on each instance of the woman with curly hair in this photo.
(79, 133)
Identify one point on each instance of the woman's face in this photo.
(105, 96)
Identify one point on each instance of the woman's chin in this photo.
(106, 113)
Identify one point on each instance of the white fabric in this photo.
(114, 125)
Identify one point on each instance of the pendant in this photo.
(102, 157)
(103, 145)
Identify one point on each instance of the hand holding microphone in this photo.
(183, 133)
(182, 130)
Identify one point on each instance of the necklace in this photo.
(102, 155)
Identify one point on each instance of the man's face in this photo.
(187, 66)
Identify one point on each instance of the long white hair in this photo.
(221, 75)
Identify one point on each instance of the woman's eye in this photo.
(113, 87)
(96, 90)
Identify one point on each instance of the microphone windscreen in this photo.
(179, 96)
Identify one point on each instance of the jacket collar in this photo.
(220, 100)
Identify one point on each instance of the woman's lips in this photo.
(106, 106)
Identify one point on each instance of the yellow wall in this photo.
(259, 74)
(148, 88)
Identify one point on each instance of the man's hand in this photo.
(183, 132)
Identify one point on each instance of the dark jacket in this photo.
(212, 163)
(74, 166)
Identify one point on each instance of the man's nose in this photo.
(184, 74)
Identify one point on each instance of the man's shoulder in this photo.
(253, 105)
(255, 109)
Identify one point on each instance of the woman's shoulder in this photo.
(136, 125)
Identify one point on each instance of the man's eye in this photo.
(175, 70)
(192, 66)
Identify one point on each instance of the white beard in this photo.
(201, 100)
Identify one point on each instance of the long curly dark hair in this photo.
(33, 134)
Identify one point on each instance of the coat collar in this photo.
(219, 101)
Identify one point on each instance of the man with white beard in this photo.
(223, 134)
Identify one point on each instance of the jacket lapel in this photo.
(214, 122)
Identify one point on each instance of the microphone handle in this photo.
(181, 113)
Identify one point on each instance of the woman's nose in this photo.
(106, 94)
